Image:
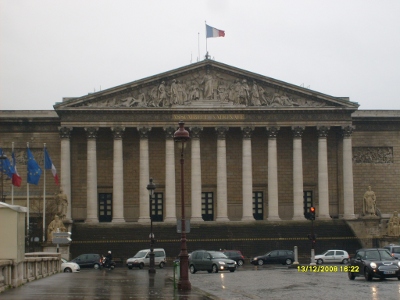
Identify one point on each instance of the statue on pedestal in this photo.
(394, 225)
(55, 226)
(369, 203)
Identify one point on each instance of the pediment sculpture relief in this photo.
(208, 88)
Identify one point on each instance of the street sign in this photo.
(61, 238)
(179, 226)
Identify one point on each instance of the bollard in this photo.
(296, 256)
(177, 274)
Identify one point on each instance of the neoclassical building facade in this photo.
(260, 149)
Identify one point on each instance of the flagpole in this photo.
(27, 205)
(12, 186)
(44, 192)
(206, 40)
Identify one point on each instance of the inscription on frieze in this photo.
(373, 155)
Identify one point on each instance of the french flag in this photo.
(214, 32)
(16, 180)
(48, 165)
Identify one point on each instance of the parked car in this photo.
(142, 258)
(284, 257)
(90, 260)
(236, 255)
(394, 250)
(332, 256)
(373, 262)
(210, 261)
(69, 266)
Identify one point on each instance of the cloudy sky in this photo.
(50, 49)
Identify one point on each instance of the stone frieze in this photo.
(373, 155)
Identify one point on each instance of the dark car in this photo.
(236, 255)
(211, 261)
(90, 260)
(374, 262)
(284, 257)
(394, 250)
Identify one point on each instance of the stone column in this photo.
(247, 175)
(118, 176)
(91, 177)
(170, 192)
(298, 200)
(273, 204)
(348, 192)
(144, 177)
(65, 135)
(323, 186)
(196, 175)
(222, 184)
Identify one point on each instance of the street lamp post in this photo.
(151, 187)
(2, 158)
(181, 136)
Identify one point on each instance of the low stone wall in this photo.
(34, 266)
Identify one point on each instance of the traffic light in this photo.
(311, 215)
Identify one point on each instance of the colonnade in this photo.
(222, 199)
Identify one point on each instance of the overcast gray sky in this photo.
(50, 49)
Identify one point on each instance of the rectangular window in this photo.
(207, 206)
(307, 201)
(105, 207)
(258, 205)
(157, 212)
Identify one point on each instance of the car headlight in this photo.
(221, 263)
(373, 265)
(255, 258)
(398, 263)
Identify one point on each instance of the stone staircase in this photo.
(252, 238)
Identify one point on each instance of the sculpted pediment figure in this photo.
(206, 84)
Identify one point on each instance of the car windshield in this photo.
(217, 254)
(140, 254)
(385, 255)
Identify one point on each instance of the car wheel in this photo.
(161, 265)
(192, 269)
(320, 261)
(367, 275)
(130, 268)
(240, 262)
(345, 261)
(351, 275)
(96, 266)
(141, 266)
(214, 269)
(398, 278)
(288, 261)
(67, 270)
(260, 262)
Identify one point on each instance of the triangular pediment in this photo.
(206, 84)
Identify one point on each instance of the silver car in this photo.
(332, 256)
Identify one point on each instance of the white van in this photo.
(142, 258)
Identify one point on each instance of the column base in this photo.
(247, 218)
(222, 219)
(92, 220)
(324, 217)
(170, 220)
(118, 220)
(349, 217)
(196, 219)
(299, 218)
(144, 220)
(274, 218)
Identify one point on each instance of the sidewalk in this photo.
(119, 283)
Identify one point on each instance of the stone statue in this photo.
(55, 225)
(62, 204)
(208, 85)
(369, 203)
(394, 225)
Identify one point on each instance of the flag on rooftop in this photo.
(214, 32)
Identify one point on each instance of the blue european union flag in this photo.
(5, 165)
(34, 171)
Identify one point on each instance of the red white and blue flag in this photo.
(48, 165)
(16, 179)
(214, 32)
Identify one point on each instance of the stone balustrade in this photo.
(35, 266)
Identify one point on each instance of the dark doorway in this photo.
(157, 212)
(207, 206)
(258, 205)
(105, 207)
